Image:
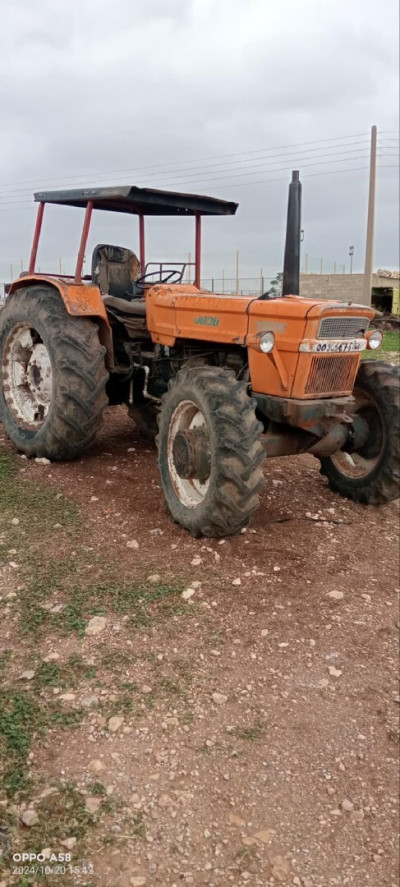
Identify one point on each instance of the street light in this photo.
(351, 254)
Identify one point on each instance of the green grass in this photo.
(53, 568)
(36, 507)
(5, 659)
(143, 606)
(61, 815)
(252, 733)
(22, 718)
(97, 789)
(70, 674)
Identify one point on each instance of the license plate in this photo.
(330, 346)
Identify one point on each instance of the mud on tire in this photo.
(75, 364)
(230, 495)
(377, 385)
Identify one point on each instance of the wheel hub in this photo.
(366, 440)
(27, 376)
(191, 454)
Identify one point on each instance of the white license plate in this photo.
(331, 346)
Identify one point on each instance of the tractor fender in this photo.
(80, 300)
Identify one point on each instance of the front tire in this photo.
(210, 453)
(52, 375)
(371, 474)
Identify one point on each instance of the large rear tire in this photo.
(371, 474)
(52, 375)
(210, 453)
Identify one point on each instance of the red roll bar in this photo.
(35, 244)
(84, 237)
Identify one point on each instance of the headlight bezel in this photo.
(372, 337)
(267, 342)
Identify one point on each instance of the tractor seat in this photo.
(114, 271)
(126, 306)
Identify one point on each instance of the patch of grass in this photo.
(169, 686)
(138, 825)
(114, 659)
(5, 659)
(21, 718)
(62, 815)
(18, 715)
(124, 705)
(252, 733)
(391, 341)
(246, 855)
(35, 506)
(69, 674)
(37, 510)
(108, 805)
(129, 685)
(144, 607)
(79, 669)
(8, 466)
(97, 789)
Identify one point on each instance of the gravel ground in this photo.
(247, 734)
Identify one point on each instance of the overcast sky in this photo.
(223, 97)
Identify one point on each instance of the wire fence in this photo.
(245, 286)
(224, 283)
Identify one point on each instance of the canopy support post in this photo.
(84, 237)
(36, 236)
(142, 244)
(197, 275)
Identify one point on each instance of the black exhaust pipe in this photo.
(291, 262)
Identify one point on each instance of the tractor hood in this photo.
(222, 317)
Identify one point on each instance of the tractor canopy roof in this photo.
(140, 201)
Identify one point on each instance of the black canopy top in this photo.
(140, 201)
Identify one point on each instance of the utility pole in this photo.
(237, 270)
(351, 254)
(369, 247)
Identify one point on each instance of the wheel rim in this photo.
(358, 464)
(190, 491)
(27, 376)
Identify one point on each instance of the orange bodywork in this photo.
(186, 312)
(81, 300)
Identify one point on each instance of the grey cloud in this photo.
(94, 88)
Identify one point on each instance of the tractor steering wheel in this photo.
(168, 276)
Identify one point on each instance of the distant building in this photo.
(385, 294)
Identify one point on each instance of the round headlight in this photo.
(374, 340)
(267, 342)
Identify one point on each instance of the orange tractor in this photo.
(221, 381)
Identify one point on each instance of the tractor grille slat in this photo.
(343, 327)
(331, 375)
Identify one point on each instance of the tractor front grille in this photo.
(343, 327)
(332, 375)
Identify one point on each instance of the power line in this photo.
(279, 169)
(23, 205)
(240, 170)
(268, 161)
(306, 176)
(19, 205)
(202, 159)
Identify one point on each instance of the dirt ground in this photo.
(254, 722)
